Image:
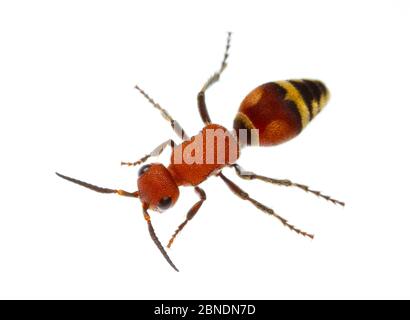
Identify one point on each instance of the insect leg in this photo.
(245, 196)
(203, 111)
(191, 213)
(156, 152)
(156, 240)
(247, 175)
(174, 124)
(99, 189)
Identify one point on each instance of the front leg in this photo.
(191, 213)
(156, 152)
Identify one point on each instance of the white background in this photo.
(67, 71)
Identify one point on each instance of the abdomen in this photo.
(281, 110)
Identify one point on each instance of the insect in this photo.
(271, 114)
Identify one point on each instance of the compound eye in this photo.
(143, 169)
(165, 203)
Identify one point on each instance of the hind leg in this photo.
(203, 111)
(247, 175)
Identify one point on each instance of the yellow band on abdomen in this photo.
(293, 94)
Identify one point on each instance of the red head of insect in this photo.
(156, 186)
